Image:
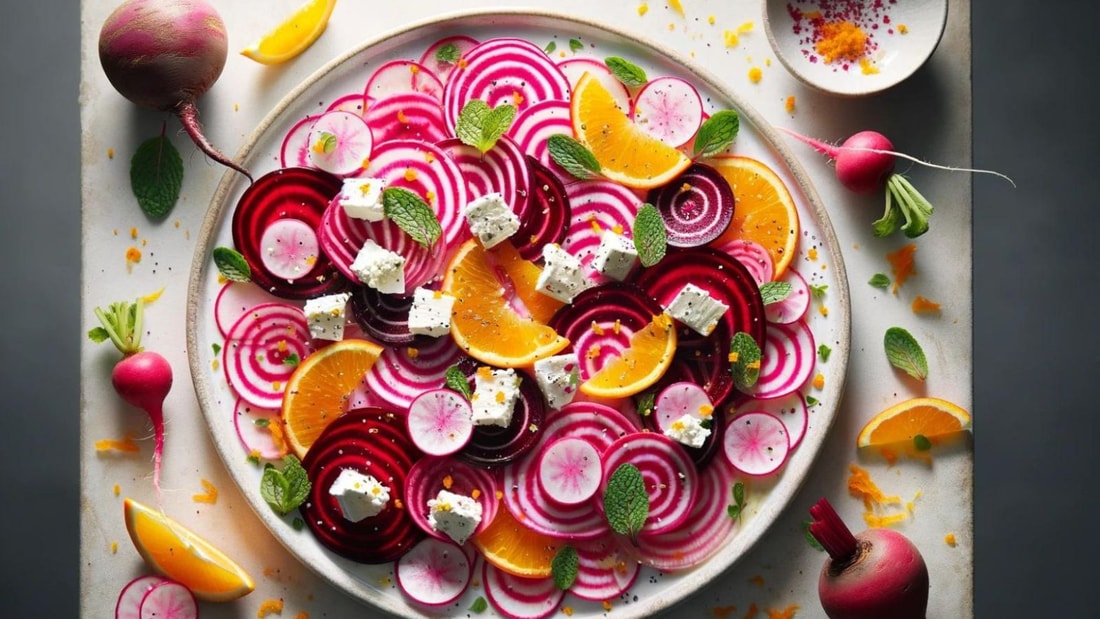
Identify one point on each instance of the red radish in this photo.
(340, 142)
(168, 600)
(443, 56)
(129, 599)
(434, 572)
(569, 470)
(876, 573)
(355, 103)
(142, 378)
(440, 422)
(165, 54)
(756, 443)
(795, 305)
(669, 109)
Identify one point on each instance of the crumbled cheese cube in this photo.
(616, 255)
(326, 316)
(494, 397)
(380, 268)
(562, 276)
(491, 219)
(456, 515)
(688, 430)
(695, 308)
(360, 496)
(361, 198)
(557, 377)
(430, 313)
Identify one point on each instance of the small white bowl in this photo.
(903, 36)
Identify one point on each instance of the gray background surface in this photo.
(1037, 341)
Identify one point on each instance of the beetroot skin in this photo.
(887, 577)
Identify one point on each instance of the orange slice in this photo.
(319, 388)
(900, 424)
(484, 322)
(294, 35)
(641, 364)
(763, 211)
(516, 549)
(178, 553)
(627, 155)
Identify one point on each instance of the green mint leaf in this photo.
(734, 512)
(448, 54)
(572, 156)
(739, 494)
(921, 442)
(647, 401)
(274, 488)
(574, 376)
(479, 606)
(564, 567)
(480, 126)
(810, 539)
(231, 264)
(575, 45)
(625, 501)
(298, 524)
(216, 347)
(879, 280)
(630, 74)
(716, 133)
(497, 123)
(745, 358)
(824, 351)
(262, 422)
(774, 292)
(811, 401)
(817, 291)
(412, 214)
(550, 48)
(156, 175)
(905, 353)
(291, 359)
(650, 235)
(456, 380)
(298, 484)
(98, 335)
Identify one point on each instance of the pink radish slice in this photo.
(430, 475)
(796, 304)
(129, 599)
(404, 372)
(605, 571)
(235, 299)
(289, 248)
(790, 409)
(520, 598)
(406, 116)
(355, 103)
(252, 425)
(440, 422)
(257, 348)
(575, 68)
(295, 149)
(434, 572)
(442, 68)
(501, 169)
(788, 360)
(596, 206)
(169, 600)
(679, 399)
(534, 126)
(401, 77)
(340, 142)
(569, 470)
(669, 109)
(670, 476)
(697, 206)
(753, 255)
(756, 443)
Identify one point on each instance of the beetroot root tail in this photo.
(188, 113)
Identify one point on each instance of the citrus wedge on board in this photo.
(294, 35)
(902, 423)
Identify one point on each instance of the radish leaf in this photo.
(744, 360)
(735, 509)
(564, 567)
(481, 126)
(231, 264)
(716, 133)
(156, 174)
(905, 353)
(412, 214)
(650, 235)
(98, 335)
(573, 156)
(625, 501)
(774, 292)
(630, 74)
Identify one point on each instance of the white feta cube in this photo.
(616, 255)
(455, 515)
(558, 377)
(360, 496)
(326, 316)
(688, 430)
(494, 397)
(562, 275)
(361, 198)
(491, 219)
(695, 308)
(430, 313)
(380, 268)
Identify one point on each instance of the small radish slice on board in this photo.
(434, 572)
(574, 68)
(253, 428)
(440, 422)
(669, 109)
(795, 305)
(169, 600)
(340, 142)
(569, 470)
(679, 399)
(756, 443)
(129, 599)
(520, 598)
(289, 248)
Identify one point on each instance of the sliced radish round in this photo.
(520, 598)
(669, 473)
(679, 399)
(574, 68)
(753, 255)
(434, 572)
(669, 109)
(355, 103)
(605, 571)
(340, 142)
(235, 299)
(756, 443)
(406, 116)
(252, 424)
(438, 60)
(796, 304)
(295, 148)
(257, 348)
(129, 599)
(697, 207)
(289, 248)
(402, 77)
(440, 422)
(169, 600)
(790, 409)
(430, 475)
(787, 361)
(569, 470)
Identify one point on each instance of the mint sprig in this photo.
(905, 353)
(479, 606)
(412, 214)
(716, 133)
(448, 54)
(156, 175)
(650, 235)
(231, 264)
(630, 74)
(455, 379)
(572, 156)
(480, 126)
(735, 509)
(625, 501)
(774, 292)
(745, 358)
(564, 567)
(286, 489)
(575, 45)
(879, 280)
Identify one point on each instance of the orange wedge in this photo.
(900, 424)
(516, 549)
(176, 552)
(640, 365)
(627, 155)
(484, 322)
(294, 35)
(318, 390)
(763, 211)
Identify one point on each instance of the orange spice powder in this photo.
(841, 40)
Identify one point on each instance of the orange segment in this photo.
(513, 548)
(763, 211)
(484, 323)
(627, 154)
(640, 365)
(176, 552)
(294, 35)
(319, 387)
(900, 424)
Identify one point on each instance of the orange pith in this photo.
(901, 423)
(293, 35)
(642, 364)
(763, 211)
(318, 389)
(516, 549)
(484, 323)
(627, 155)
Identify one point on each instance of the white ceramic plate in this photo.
(372, 584)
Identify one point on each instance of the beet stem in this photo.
(188, 114)
(828, 529)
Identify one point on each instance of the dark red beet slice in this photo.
(385, 317)
(545, 216)
(373, 442)
(289, 193)
(494, 445)
(697, 207)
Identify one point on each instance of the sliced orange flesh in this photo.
(516, 549)
(900, 424)
(641, 364)
(293, 35)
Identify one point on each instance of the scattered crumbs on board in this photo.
(125, 444)
(117, 490)
(755, 75)
(786, 613)
(819, 381)
(643, 8)
(950, 540)
(114, 547)
(789, 104)
(752, 612)
(607, 605)
(110, 153)
(269, 607)
(757, 580)
(209, 494)
(676, 6)
(729, 38)
(922, 305)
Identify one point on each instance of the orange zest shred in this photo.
(269, 607)
(643, 8)
(786, 613)
(950, 540)
(723, 612)
(114, 547)
(757, 580)
(209, 496)
(302, 615)
(901, 264)
(752, 612)
(133, 254)
(861, 486)
(841, 40)
(676, 6)
(922, 305)
(567, 611)
(819, 381)
(125, 444)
